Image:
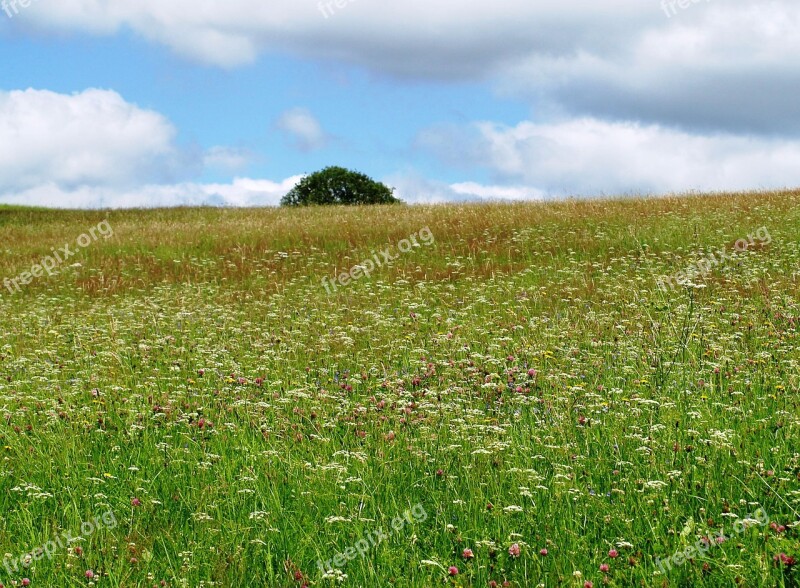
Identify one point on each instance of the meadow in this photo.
(517, 403)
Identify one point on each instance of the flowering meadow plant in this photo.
(516, 404)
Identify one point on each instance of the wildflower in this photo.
(604, 568)
(467, 554)
(776, 527)
(784, 559)
(612, 553)
(452, 570)
(514, 550)
(136, 502)
(543, 552)
(587, 584)
(26, 582)
(89, 574)
(336, 575)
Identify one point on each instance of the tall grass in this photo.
(523, 380)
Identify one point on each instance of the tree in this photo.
(337, 185)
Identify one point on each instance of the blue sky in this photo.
(104, 103)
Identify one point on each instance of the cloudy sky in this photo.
(110, 103)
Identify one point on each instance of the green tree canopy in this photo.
(337, 185)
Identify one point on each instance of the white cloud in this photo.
(389, 36)
(93, 137)
(93, 149)
(476, 190)
(416, 189)
(593, 157)
(303, 129)
(627, 99)
(240, 192)
(720, 64)
(724, 65)
(228, 158)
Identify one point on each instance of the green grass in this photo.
(651, 419)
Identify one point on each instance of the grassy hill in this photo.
(572, 392)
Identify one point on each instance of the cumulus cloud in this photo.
(228, 158)
(93, 137)
(413, 188)
(626, 98)
(718, 66)
(95, 150)
(487, 192)
(240, 192)
(409, 38)
(723, 65)
(592, 157)
(302, 129)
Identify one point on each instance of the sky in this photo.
(123, 103)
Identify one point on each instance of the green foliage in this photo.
(337, 185)
(524, 380)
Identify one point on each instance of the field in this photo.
(514, 402)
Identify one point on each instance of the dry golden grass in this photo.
(234, 246)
